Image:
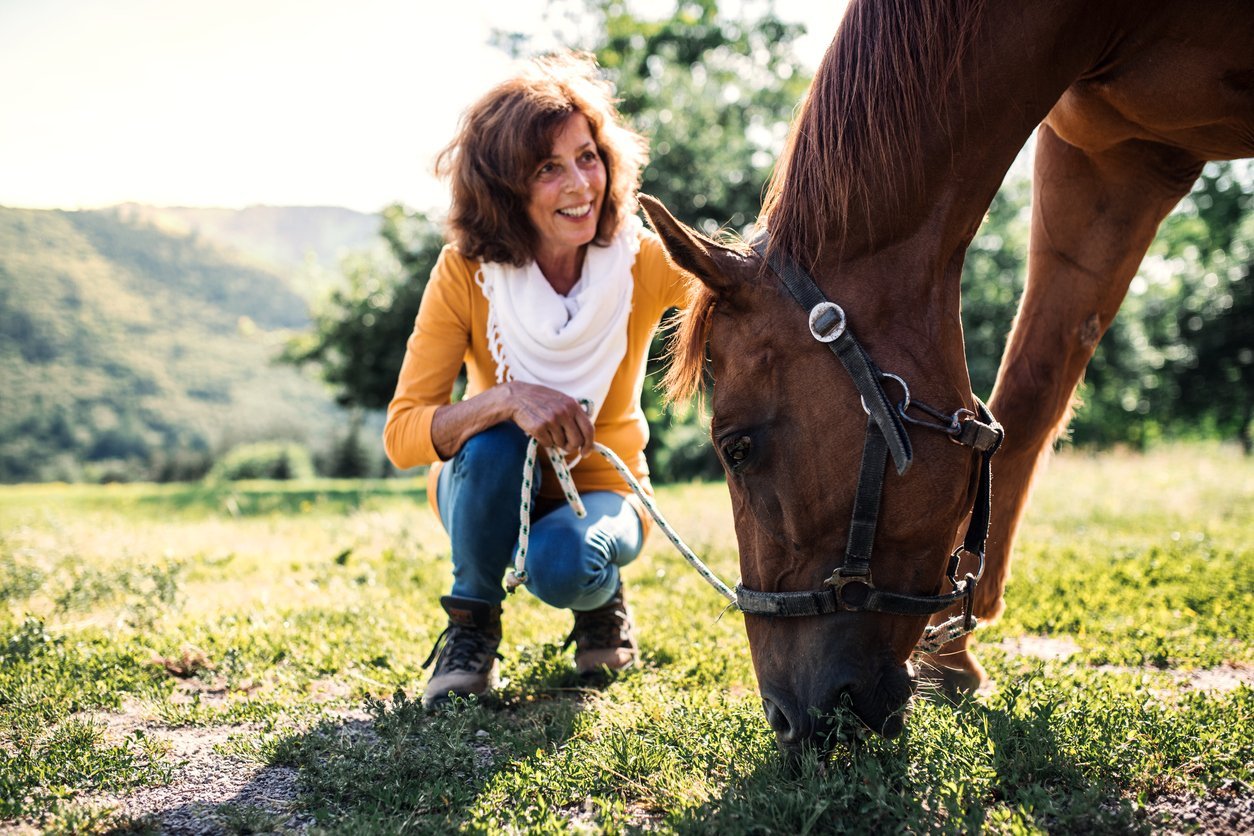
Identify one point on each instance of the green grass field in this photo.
(283, 626)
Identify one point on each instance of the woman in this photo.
(549, 293)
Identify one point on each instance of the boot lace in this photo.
(461, 648)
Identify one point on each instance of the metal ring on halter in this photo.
(956, 421)
(905, 402)
(831, 332)
(952, 570)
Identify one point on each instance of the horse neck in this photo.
(908, 246)
(895, 260)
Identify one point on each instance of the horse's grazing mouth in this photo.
(878, 707)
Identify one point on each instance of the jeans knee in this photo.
(562, 574)
(497, 447)
(488, 468)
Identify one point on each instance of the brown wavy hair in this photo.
(503, 138)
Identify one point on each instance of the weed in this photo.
(299, 621)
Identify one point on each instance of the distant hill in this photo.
(306, 243)
(125, 345)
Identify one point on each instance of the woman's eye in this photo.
(589, 157)
(736, 451)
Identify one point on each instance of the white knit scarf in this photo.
(535, 338)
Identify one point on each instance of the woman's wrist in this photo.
(506, 401)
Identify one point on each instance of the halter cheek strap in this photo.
(850, 588)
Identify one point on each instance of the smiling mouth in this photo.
(581, 211)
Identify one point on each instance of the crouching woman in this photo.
(548, 292)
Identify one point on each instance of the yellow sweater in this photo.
(451, 330)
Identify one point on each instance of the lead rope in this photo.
(934, 637)
(518, 575)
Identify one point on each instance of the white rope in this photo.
(933, 639)
(937, 636)
(518, 575)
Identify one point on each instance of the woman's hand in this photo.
(552, 418)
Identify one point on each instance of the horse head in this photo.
(791, 430)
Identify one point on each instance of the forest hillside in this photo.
(130, 348)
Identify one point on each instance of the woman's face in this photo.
(567, 190)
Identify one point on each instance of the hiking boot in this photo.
(467, 660)
(603, 638)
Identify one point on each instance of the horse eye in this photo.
(736, 451)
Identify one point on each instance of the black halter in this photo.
(850, 587)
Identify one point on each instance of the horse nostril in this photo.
(792, 724)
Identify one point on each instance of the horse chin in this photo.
(883, 705)
(879, 706)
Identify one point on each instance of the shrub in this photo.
(264, 460)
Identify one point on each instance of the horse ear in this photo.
(715, 265)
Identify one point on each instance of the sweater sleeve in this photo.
(434, 354)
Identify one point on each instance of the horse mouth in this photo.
(878, 707)
(883, 707)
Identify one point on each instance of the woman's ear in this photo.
(720, 268)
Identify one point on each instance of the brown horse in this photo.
(916, 112)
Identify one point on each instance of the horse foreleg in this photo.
(1094, 216)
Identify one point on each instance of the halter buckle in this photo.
(956, 423)
(827, 322)
(859, 586)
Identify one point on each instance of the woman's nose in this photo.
(577, 181)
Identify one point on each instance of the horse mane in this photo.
(857, 138)
(685, 347)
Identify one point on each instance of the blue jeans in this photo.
(572, 563)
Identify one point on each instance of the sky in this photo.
(240, 102)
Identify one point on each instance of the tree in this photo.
(713, 94)
(992, 281)
(1214, 315)
(359, 332)
(1178, 360)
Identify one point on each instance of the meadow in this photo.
(246, 658)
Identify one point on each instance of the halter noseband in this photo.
(850, 587)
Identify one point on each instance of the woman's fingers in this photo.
(554, 419)
(587, 433)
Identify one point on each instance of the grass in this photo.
(297, 617)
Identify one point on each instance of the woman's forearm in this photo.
(552, 418)
(455, 423)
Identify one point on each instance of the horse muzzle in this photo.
(848, 709)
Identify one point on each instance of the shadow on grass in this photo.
(405, 769)
(510, 763)
(994, 769)
(249, 499)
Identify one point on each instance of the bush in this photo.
(265, 460)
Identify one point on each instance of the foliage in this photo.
(992, 280)
(1181, 359)
(359, 332)
(1178, 361)
(349, 457)
(713, 94)
(264, 460)
(296, 616)
(127, 352)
